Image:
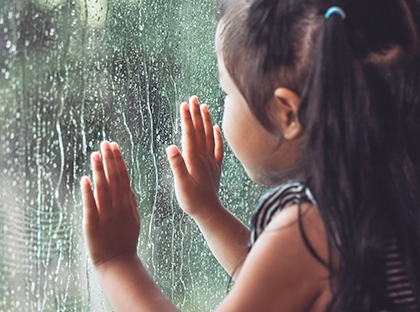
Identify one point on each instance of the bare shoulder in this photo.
(280, 273)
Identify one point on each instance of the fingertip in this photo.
(184, 106)
(172, 151)
(115, 146)
(194, 99)
(218, 135)
(84, 181)
(105, 145)
(219, 150)
(95, 156)
(205, 108)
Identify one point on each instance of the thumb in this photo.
(90, 210)
(178, 166)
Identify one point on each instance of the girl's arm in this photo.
(197, 176)
(129, 287)
(279, 272)
(111, 227)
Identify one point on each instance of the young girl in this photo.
(322, 102)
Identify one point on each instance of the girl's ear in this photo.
(285, 113)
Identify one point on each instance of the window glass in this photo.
(73, 73)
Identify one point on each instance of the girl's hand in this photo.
(197, 170)
(111, 221)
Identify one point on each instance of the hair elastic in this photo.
(335, 10)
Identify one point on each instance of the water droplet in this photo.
(8, 44)
(6, 75)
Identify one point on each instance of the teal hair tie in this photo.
(335, 10)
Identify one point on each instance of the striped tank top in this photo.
(399, 291)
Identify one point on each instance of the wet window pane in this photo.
(73, 73)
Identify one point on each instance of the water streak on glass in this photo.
(73, 73)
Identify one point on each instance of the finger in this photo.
(189, 139)
(178, 166)
(102, 195)
(122, 168)
(198, 123)
(208, 127)
(218, 151)
(123, 173)
(112, 172)
(90, 211)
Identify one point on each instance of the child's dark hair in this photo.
(359, 84)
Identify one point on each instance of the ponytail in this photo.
(359, 84)
(359, 166)
(333, 110)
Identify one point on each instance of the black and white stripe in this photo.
(398, 288)
(290, 193)
(398, 285)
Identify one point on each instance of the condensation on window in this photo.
(73, 73)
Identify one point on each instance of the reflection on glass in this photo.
(73, 73)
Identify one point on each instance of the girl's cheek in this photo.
(228, 123)
(225, 112)
(225, 122)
